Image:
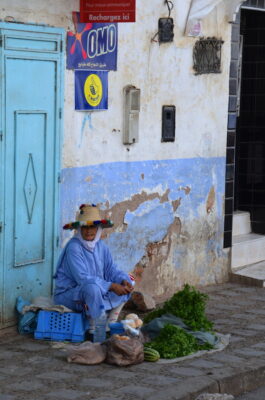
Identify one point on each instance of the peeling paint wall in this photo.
(166, 199)
(168, 218)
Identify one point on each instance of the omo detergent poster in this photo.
(93, 46)
(91, 90)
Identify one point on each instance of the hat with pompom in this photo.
(88, 215)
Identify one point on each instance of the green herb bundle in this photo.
(187, 304)
(173, 342)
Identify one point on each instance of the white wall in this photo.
(165, 76)
(163, 73)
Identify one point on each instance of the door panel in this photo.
(32, 102)
(30, 172)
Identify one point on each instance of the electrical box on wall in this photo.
(168, 123)
(131, 114)
(165, 30)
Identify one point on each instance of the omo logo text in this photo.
(101, 41)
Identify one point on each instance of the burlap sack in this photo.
(124, 352)
(87, 353)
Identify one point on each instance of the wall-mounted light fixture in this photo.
(207, 56)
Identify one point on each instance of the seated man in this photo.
(86, 277)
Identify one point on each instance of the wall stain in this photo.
(210, 200)
(176, 204)
(186, 189)
(165, 198)
(87, 119)
(118, 211)
(150, 270)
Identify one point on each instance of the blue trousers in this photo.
(91, 296)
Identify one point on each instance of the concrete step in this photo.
(247, 249)
(252, 275)
(241, 223)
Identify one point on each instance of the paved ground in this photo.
(257, 394)
(34, 370)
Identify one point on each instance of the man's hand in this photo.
(122, 289)
(128, 285)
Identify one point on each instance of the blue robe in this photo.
(84, 277)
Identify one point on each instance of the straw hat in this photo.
(88, 215)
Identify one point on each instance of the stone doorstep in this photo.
(247, 249)
(252, 274)
(241, 223)
(235, 384)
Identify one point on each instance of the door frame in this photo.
(11, 29)
(233, 109)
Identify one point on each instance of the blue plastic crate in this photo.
(53, 325)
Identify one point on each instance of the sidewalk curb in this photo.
(236, 384)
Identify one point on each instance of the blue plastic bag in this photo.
(27, 322)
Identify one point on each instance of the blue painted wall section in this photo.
(147, 224)
(168, 191)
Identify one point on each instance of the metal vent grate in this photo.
(207, 56)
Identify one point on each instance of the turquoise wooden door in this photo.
(31, 92)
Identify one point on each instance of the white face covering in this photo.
(89, 244)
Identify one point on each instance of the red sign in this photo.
(107, 11)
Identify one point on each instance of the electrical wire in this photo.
(153, 38)
(170, 7)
